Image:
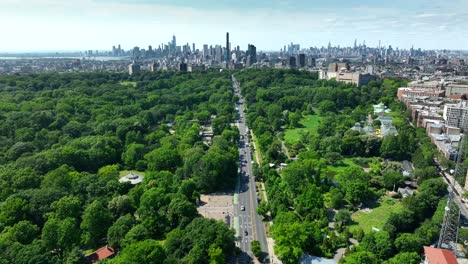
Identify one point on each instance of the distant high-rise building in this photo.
(183, 67)
(136, 52)
(252, 52)
(193, 47)
(313, 62)
(218, 53)
(133, 68)
(292, 62)
(228, 51)
(154, 67)
(205, 50)
(174, 43)
(301, 60)
(248, 60)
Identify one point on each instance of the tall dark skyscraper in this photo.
(228, 50)
(252, 52)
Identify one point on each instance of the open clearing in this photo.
(217, 206)
(134, 84)
(309, 123)
(377, 215)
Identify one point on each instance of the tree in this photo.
(343, 216)
(216, 255)
(67, 206)
(137, 233)
(109, 172)
(22, 232)
(147, 251)
(326, 106)
(153, 211)
(163, 159)
(407, 242)
(405, 257)
(294, 119)
(96, 221)
(355, 184)
(60, 235)
(392, 179)
(292, 236)
(361, 257)
(133, 153)
(75, 256)
(120, 205)
(181, 211)
(193, 242)
(262, 209)
(256, 249)
(334, 198)
(119, 229)
(333, 157)
(12, 211)
(310, 203)
(379, 243)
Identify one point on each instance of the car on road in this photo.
(242, 208)
(246, 233)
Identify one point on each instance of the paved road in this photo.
(250, 225)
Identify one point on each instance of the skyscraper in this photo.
(300, 60)
(205, 50)
(228, 51)
(252, 52)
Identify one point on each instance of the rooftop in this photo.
(132, 178)
(100, 254)
(439, 256)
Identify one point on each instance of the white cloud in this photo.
(86, 24)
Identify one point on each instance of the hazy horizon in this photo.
(53, 25)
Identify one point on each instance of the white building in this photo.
(132, 178)
(456, 115)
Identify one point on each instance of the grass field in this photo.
(134, 84)
(309, 123)
(342, 165)
(378, 216)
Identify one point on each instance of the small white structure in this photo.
(132, 178)
(381, 109)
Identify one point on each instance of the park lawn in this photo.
(309, 123)
(125, 172)
(134, 84)
(378, 216)
(342, 165)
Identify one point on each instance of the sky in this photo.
(45, 25)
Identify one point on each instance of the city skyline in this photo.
(46, 25)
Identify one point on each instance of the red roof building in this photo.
(439, 256)
(100, 254)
